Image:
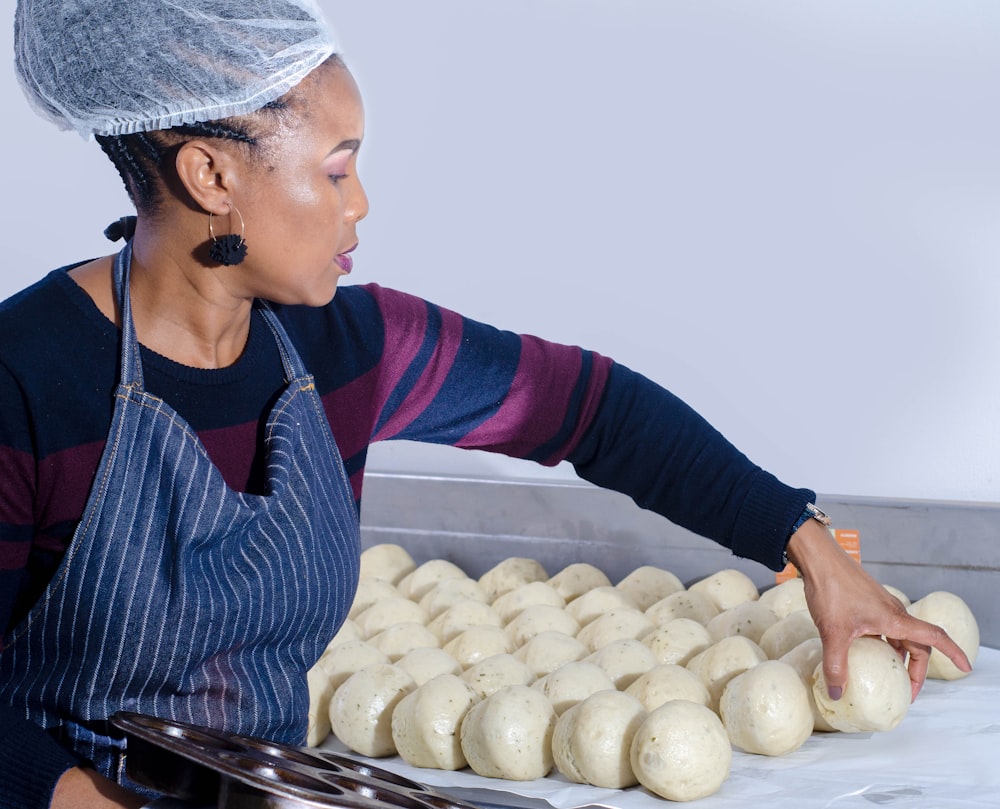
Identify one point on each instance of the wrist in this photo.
(809, 546)
(811, 514)
(81, 788)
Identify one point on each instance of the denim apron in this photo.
(179, 597)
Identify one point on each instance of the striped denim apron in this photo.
(181, 598)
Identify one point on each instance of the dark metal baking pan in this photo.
(209, 767)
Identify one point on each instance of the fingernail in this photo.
(835, 692)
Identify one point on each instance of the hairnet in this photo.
(113, 67)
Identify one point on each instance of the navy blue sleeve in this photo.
(650, 445)
(17, 498)
(31, 763)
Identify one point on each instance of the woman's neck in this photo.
(181, 309)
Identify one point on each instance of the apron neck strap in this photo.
(131, 365)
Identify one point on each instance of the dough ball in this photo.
(953, 615)
(425, 663)
(388, 611)
(448, 592)
(804, 658)
(903, 598)
(348, 631)
(751, 619)
(514, 602)
(426, 722)
(490, 675)
(665, 682)
(370, 591)
(386, 561)
(578, 578)
(510, 574)
(419, 582)
(478, 643)
(787, 633)
(677, 641)
(361, 708)
(399, 639)
(683, 604)
(647, 585)
(615, 624)
(681, 751)
(547, 651)
(572, 683)
(540, 618)
(877, 695)
(591, 740)
(623, 660)
(461, 616)
(320, 693)
(727, 588)
(349, 657)
(509, 735)
(766, 710)
(722, 661)
(785, 598)
(595, 603)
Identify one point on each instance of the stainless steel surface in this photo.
(916, 545)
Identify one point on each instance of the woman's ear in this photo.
(208, 174)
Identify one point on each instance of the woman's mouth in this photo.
(345, 262)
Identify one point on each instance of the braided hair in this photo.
(142, 158)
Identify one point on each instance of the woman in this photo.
(185, 423)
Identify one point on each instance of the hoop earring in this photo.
(229, 249)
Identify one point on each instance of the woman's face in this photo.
(302, 199)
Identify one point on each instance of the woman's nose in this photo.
(357, 207)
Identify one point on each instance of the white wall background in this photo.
(786, 211)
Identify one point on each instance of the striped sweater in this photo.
(387, 366)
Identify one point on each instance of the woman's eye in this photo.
(338, 165)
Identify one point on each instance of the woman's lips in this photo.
(344, 260)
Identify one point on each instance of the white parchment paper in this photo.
(944, 755)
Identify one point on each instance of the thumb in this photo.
(835, 666)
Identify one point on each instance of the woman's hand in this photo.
(847, 603)
(86, 789)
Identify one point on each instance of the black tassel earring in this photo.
(229, 249)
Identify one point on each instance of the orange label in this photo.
(848, 538)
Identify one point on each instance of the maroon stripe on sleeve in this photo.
(350, 416)
(540, 400)
(432, 377)
(17, 473)
(600, 369)
(64, 481)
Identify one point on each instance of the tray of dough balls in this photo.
(567, 689)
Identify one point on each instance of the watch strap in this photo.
(810, 512)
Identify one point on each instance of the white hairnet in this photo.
(113, 67)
